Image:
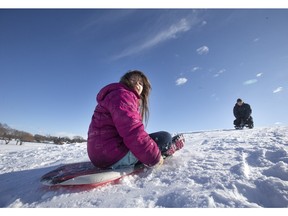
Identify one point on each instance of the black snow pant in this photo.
(241, 122)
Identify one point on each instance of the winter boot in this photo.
(178, 142)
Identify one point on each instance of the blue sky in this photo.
(53, 62)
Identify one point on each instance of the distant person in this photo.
(242, 112)
(116, 136)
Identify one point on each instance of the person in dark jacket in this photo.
(117, 136)
(242, 112)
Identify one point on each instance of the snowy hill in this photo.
(224, 168)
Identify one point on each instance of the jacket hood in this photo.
(112, 87)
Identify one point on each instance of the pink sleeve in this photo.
(128, 122)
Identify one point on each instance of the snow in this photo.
(218, 168)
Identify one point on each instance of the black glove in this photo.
(247, 119)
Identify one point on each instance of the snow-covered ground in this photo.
(220, 168)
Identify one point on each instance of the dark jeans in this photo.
(163, 140)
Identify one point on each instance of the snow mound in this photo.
(221, 168)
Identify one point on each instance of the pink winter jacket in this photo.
(116, 127)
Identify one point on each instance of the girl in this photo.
(116, 136)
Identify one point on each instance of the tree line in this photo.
(8, 134)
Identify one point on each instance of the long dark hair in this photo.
(144, 97)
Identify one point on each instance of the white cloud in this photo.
(279, 89)
(250, 82)
(195, 69)
(173, 31)
(256, 39)
(278, 123)
(202, 50)
(219, 72)
(181, 81)
(204, 23)
(259, 74)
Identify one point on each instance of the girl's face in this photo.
(137, 84)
